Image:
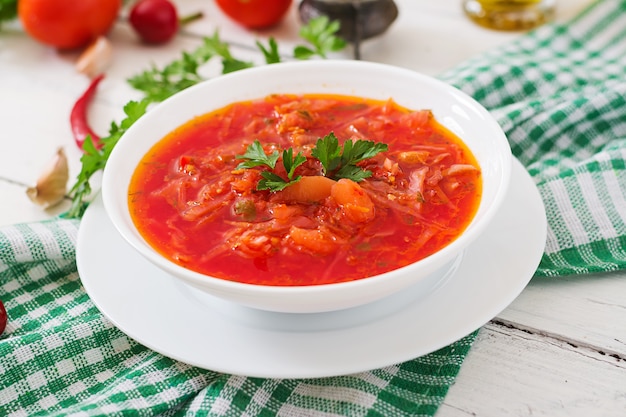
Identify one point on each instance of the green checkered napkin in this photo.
(59, 356)
(559, 94)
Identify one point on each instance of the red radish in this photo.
(156, 21)
(3, 318)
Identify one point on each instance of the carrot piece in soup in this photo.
(313, 240)
(283, 213)
(356, 204)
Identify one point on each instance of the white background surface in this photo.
(558, 350)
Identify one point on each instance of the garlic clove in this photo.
(95, 58)
(52, 183)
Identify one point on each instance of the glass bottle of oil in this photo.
(510, 14)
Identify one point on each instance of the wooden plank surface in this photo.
(513, 372)
(586, 311)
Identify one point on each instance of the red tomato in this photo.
(67, 24)
(255, 14)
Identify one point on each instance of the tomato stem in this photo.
(78, 116)
(190, 18)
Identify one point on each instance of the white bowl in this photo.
(452, 108)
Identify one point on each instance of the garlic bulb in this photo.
(52, 183)
(96, 57)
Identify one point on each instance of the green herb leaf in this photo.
(303, 52)
(216, 46)
(271, 52)
(256, 156)
(234, 65)
(320, 33)
(159, 84)
(290, 163)
(8, 10)
(352, 172)
(354, 152)
(340, 162)
(327, 151)
(274, 182)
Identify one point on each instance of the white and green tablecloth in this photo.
(560, 95)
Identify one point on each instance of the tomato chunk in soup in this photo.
(192, 203)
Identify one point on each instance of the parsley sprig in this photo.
(157, 84)
(94, 159)
(337, 161)
(341, 161)
(255, 156)
(321, 34)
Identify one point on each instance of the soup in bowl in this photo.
(309, 186)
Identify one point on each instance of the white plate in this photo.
(185, 324)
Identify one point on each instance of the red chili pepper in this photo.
(78, 117)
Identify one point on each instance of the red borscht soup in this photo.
(295, 190)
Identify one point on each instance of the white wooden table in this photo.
(558, 350)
